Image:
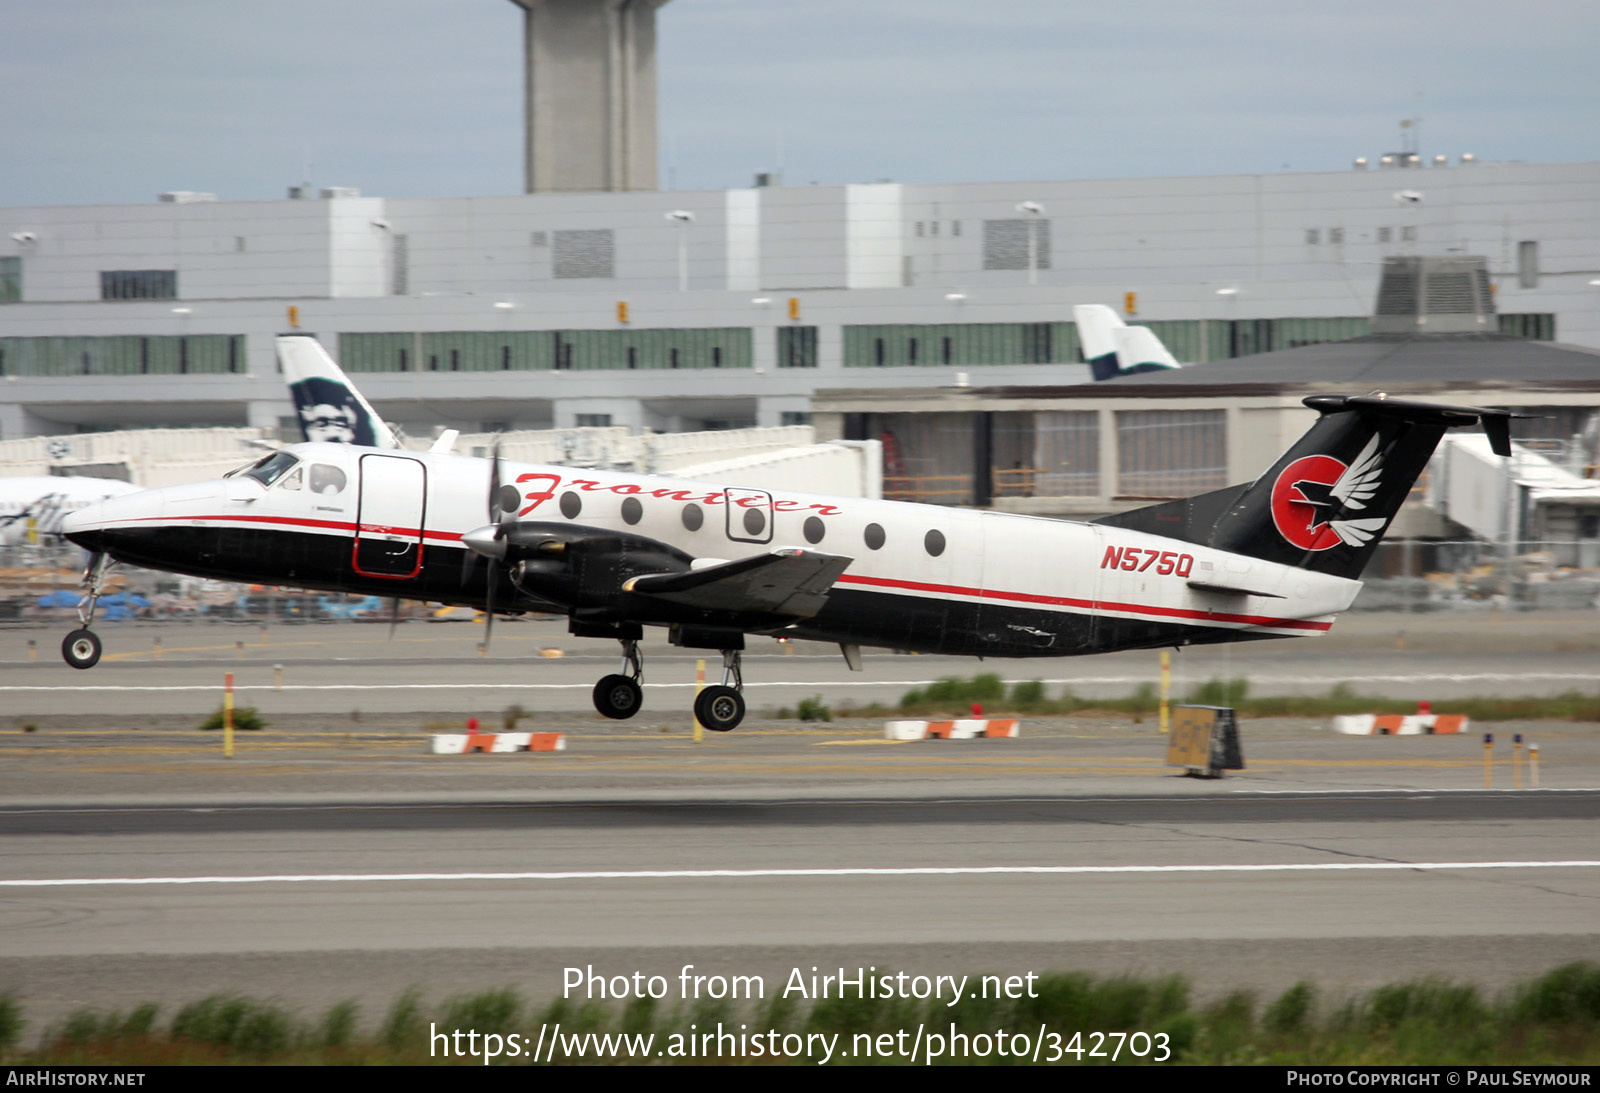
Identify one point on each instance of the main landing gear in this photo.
(81, 648)
(619, 696)
(719, 707)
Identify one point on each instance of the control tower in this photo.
(589, 72)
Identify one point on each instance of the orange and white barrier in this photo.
(965, 729)
(1394, 724)
(460, 743)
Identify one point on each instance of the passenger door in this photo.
(390, 517)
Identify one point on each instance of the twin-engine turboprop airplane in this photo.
(1277, 557)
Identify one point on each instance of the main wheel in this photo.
(81, 649)
(618, 697)
(719, 708)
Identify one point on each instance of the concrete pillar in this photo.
(589, 85)
(16, 422)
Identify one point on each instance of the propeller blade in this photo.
(494, 484)
(394, 615)
(497, 514)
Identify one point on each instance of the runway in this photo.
(334, 858)
(159, 669)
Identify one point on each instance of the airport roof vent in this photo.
(185, 197)
(330, 193)
(1448, 295)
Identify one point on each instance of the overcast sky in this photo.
(111, 101)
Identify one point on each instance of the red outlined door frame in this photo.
(390, 518)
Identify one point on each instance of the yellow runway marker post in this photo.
(227, 715)
(1488, 760)
(1166, 687)
(699, 685)
(1516, 761)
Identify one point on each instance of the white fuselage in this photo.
(1028, 583)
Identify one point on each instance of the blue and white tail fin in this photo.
(1113, 348)
(330, 407)
(1097, 334)
(1139, 350)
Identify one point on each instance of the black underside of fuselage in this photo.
(455, 575)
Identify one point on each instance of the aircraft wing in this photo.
(788, 581)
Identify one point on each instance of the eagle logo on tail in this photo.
(1314, 499)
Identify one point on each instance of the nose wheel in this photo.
(81, 648)
(619, 696)
(721, 708)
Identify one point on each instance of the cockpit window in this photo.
(293, 480)
(269, 470)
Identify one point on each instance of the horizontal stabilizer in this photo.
(1139, 350)
(788, 582)
(1213, 584)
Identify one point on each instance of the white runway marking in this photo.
(736, 874)
(1259, 680)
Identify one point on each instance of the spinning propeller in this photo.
(490, 541)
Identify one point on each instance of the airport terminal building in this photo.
(680, 310)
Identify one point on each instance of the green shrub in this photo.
(1290, 1013)
(11, 1022)
(1221, 692)
(246, 1025)
(245, 719)
(812, 709)
(1027, 693)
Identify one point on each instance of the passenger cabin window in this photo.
(326, 478)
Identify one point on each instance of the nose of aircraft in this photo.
(97, 526)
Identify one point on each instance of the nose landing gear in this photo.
(81, 648)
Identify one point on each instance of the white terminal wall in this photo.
(849, 254)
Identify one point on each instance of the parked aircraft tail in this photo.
(1327, 501)
(1139, 350)
(1113, 348)
(330, 407)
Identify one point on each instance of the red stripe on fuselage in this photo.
(1087, 605)
(299, 521)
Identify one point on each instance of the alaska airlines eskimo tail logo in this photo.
(330, 412)
(1314, 497)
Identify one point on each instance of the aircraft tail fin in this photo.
(1327, 501)
(1139, 350)
(1113, 348)
(329, 405)
(1097, 334)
